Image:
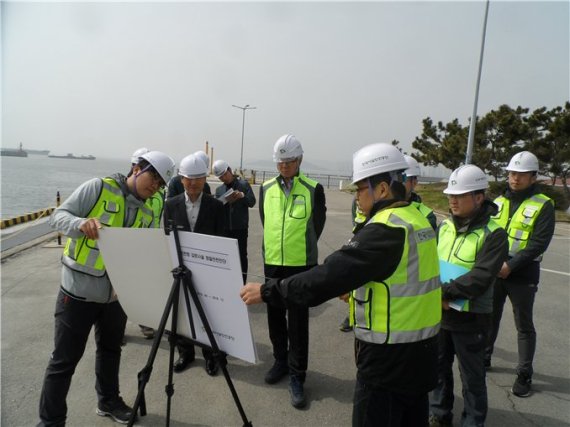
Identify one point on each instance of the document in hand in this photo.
(224, 197)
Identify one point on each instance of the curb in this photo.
(4, 255)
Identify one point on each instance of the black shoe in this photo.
(277, 371)
(521, 387)
(211, 367)
(297, 392)
(345, 325)
(117, 410)
(182, 363)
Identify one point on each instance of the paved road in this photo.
(30, 280)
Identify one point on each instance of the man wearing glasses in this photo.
(86, 296)
(471, 249)
(293, 213)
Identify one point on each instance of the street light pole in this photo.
(244, 108)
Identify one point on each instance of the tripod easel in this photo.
(182, 281)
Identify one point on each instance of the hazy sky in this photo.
(107, 78)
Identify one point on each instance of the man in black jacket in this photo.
(471, 249)
(200, 213)
(393, 255)
(236, 208)
(528, 217)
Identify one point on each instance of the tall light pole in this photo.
(244, 108)
(471, 136)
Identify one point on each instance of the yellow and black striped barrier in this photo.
(25, 218)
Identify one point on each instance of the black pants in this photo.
(378, 407)
(241, 236)
(522, 299)
(469, 347)
(186, 348)
(73, 322)
(289, 328)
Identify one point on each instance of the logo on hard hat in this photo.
(282, 150)
(517, 162)
(168, 173)
(453, 182)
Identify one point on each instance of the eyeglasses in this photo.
(157, 178)
(286, 162)
(359, 189)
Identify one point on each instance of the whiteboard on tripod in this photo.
(140, 263)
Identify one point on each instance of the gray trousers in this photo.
(469, 347)
(522, 299)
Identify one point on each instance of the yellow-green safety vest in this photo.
(156, 204)
(406, 307)
(461, 250)
(424, 210)
(519, 228)
(82, 254)
(289, 236)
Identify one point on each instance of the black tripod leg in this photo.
(144, 374)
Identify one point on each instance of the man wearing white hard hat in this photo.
(390, 268)
(471, 249)
(197, 212)
(86, 296)
(175, 186)
(293, 213)
(236, 208)
(528, 217)
(412, 174)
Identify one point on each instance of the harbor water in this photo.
(30, 184)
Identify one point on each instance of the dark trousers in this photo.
(241, 236)
(289, 328)
(186, 348)
(469, 347)
(378, 407)
(522, 299)
(73, 322)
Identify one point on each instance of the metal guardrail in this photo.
(327, 181)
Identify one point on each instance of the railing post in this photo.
(57, 201)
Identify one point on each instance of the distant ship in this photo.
(39, 152)
(71, 156)
(14, 152)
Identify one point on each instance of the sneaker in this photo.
(147, 332)
(277, 371)
(521, 387)
(297, 392)
(436, 422)
(345, 325)
(117, 410)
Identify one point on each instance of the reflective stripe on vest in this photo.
(289, 236)
(462, 250)
(82, 254)
(520, 226)
(406, 307)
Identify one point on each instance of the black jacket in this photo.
(479, 281)
(523, 267)
(236, 214)
(210, 218)
(372, 254)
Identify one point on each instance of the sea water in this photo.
(30, 184)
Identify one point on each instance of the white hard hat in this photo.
(137, 155)
(524, 161)
(192, 166)
(286, 148)
(220, 167)
(204, 157)
(375, 159)
(161, 163)
(413, 166)
(465, 179)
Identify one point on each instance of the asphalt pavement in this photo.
(30, 280)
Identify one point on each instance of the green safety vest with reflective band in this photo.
(519, 228)
(156, 204)
(289, 236)
(461, 250)
(82, 254)
(424, 210)
(406, 307)
(359, 218)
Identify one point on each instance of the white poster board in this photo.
(140, 262)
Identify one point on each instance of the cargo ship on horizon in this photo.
(71, 156)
